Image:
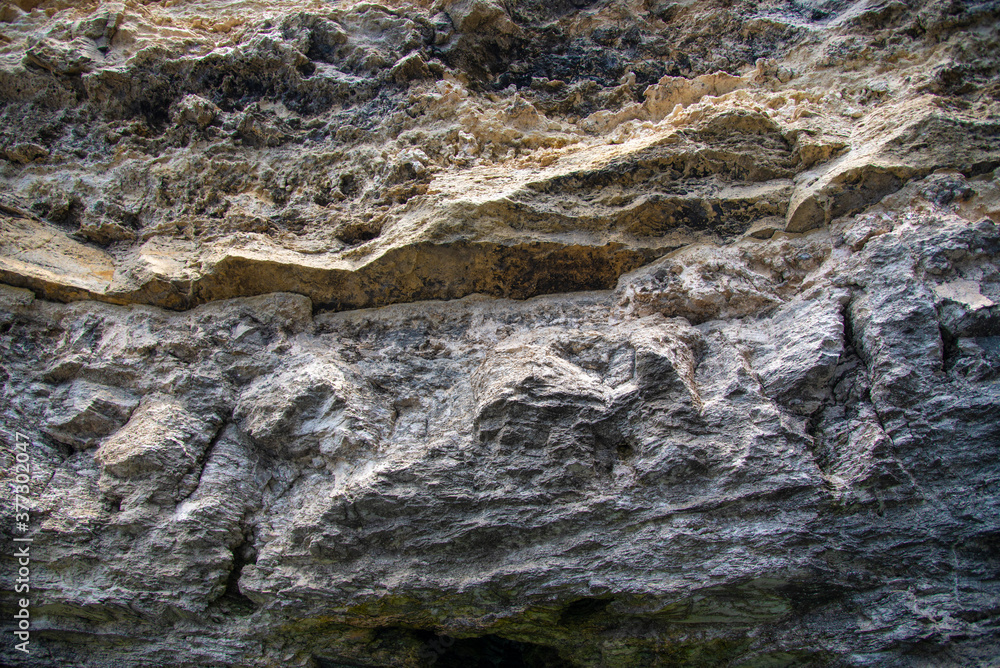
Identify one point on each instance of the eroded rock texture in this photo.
(471, 333)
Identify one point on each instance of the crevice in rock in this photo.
(894, 448)
(610, 446)
(112, 504)
(243, 554)
(583, 610)
(444, 651)
(814, 425)
(199, 464)
(320, 662)
(949, 349)
(624, 451)
(819, 454)
(807, 596)
(491, 651)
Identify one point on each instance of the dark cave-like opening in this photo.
(488, 651)
(492, 651)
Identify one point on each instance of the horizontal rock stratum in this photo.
(509, 334)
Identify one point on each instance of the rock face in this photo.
(469, 333)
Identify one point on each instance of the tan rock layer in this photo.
(352, 132)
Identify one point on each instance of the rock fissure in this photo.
(198, 463)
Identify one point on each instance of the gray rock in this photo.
(474, 333)
(551, 478)
(81, 413)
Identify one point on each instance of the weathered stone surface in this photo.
(477, 333)
(914, 148)
(83, 412)
(534, 471)
(204, 141)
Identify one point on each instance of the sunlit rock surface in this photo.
(456, 334)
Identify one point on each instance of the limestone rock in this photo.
(26, 152)
(76, 57)
(195, 109)
(468, 333)
(83, 412)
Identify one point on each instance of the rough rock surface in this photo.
(481, 333)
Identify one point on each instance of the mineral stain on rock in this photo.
(509, 334)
